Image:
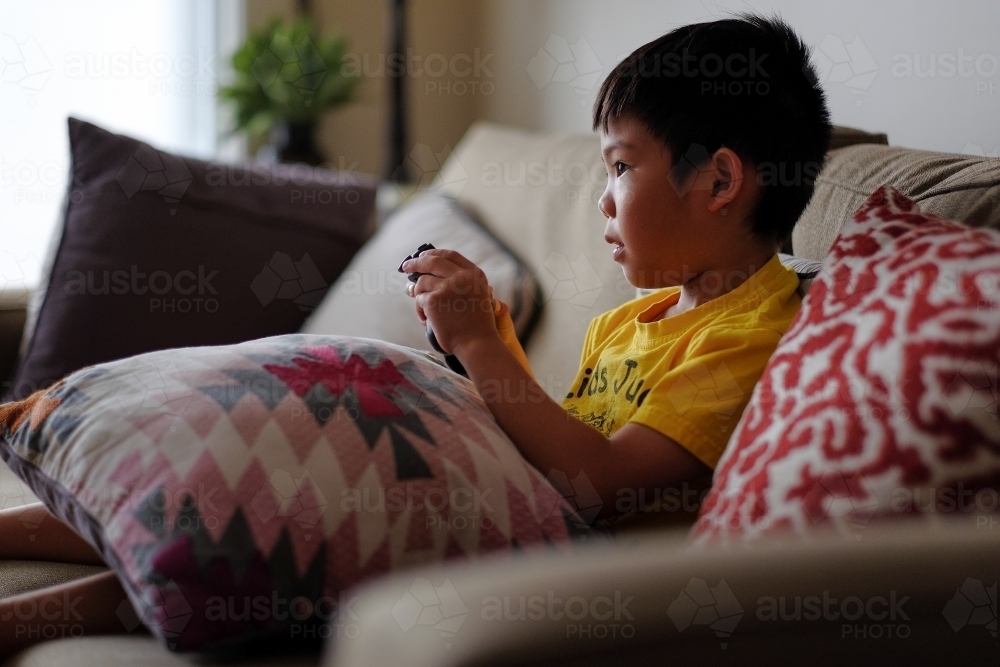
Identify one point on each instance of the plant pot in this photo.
(296, 142)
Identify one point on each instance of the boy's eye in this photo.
(620, 168)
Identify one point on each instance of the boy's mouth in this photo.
(618, 247)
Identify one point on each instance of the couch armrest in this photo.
(658, 601)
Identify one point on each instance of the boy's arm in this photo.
(635, 457)
(455, 295)
(505, 327)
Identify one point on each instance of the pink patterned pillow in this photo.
(239, 490)
(881, 399)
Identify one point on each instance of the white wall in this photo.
(944, 110)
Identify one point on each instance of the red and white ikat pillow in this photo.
(881, 399)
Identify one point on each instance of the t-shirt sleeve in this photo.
(590, 340)
(699, 401)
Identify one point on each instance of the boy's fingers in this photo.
(434, 265)
(425, 283)
(452, 256)
(438, 262)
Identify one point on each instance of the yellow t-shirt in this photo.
(688, 376)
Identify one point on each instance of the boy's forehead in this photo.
(625, 128)
(626, 133)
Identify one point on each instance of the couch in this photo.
(538, 193)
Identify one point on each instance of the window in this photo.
(147, 69)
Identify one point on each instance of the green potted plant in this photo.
(286, 77)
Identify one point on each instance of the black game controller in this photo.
(450, 359)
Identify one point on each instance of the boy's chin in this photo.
(647, 280)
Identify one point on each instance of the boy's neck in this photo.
(706, 285)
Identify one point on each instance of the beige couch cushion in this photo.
(146, 651)
(957, 187)
(21, 576)
(538, 193)
(713, 606)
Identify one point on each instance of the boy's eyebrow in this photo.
(617, 144)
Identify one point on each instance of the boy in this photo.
(711, 136)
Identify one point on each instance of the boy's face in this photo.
(658, 236)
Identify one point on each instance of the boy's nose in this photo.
(606, 205)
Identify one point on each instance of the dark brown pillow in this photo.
(159, 251)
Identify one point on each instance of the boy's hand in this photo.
(454, 295)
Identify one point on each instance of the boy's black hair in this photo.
(745, 83)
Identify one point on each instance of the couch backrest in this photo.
(538, 193)
(956, 187)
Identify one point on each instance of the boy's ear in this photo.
(727, 170)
